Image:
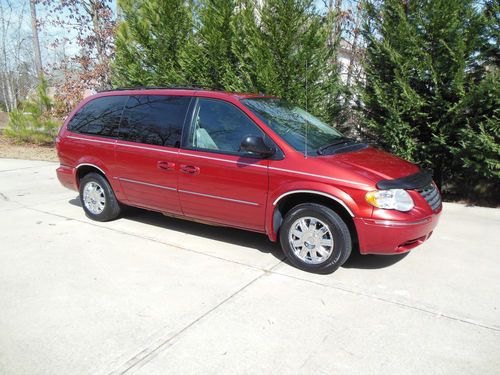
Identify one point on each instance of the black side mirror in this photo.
(256, 145)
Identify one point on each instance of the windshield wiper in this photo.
(338, 142)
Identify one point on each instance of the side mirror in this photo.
(256, 145)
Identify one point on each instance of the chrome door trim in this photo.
(218, 197)
(92, 140)
(147, 148)
(222, 160)
(146, 183)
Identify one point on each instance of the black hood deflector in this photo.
(411, 182)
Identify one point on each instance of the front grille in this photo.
(431, 195)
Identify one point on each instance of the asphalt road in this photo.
(147, 294)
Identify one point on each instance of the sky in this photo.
(49, 33)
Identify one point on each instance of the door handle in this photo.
(165, 165)
(190, 169)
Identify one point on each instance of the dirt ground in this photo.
(28, 152)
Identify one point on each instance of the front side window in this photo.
(100, 116)
(154, 119)
(293, 123)
(220, 126)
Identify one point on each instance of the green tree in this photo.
(150, 42)
(209, 60)
(281, 48)
(32, 122)
(288, 55)
(478, 152)
(246, 46)
(421, 73)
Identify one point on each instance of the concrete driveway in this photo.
(147, 294)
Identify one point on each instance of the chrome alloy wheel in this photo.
(94, 198)
(311, 240)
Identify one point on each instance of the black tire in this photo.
(338, 232)
(111, 209)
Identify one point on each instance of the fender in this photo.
(96, 163)
(90, 165)
(321, 189)
(91, 162)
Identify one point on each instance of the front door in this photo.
(147, 150)
(217, 182)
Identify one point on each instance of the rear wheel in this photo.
(98, 199)
(315, 238)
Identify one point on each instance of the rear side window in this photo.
(100, 116)
(154, 119)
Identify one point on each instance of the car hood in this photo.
(373, 164)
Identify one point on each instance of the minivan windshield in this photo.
(291, 122)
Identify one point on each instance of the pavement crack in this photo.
(149, 352)
(401, 304)
(4, 197)
(271, 271)
(175, 246)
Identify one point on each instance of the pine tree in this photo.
(478, 152)
(421, 63)
(247, 45)
(282, 48)
(209, 60)
(289, 55)
(150, 42)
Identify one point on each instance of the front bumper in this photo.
(378, 236)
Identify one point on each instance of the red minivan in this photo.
(245, 161)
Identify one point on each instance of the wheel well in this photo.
(85, 169)
(288, 202)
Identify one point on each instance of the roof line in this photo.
(177, 87)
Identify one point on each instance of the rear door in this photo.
(217, 182)
(147, 150)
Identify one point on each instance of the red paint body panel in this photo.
(243, 192)
(143, 181)
(243, 182)
(393, 237)
(66, 177)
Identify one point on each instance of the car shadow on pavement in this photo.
(233, 236)
(242, 238)
(370, 261)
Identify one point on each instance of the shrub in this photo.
(431, 93)
(32, 122)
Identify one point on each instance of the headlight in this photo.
(393, 199)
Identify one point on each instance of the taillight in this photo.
(58, 143)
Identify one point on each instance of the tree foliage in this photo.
(94, 24)
(32, 122)
(293, 57)
(209, 59)
(431, 95)
(150, 41)
(280, 48)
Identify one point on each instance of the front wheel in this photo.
(98, 199)
(315, 238)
